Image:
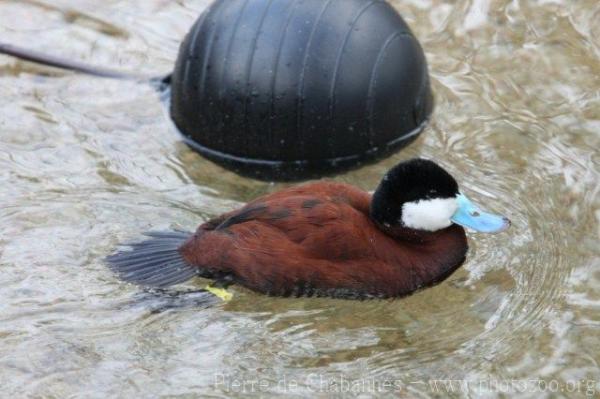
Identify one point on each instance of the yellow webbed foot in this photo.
(219, 292)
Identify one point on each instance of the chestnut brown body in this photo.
(319, 239)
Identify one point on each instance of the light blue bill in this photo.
(469, 215)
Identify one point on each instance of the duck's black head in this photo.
(420, 195)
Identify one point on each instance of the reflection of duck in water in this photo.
(324, 239)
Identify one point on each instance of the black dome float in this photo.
(289, 89)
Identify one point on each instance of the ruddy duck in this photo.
(324, 239)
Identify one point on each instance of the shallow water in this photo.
(86, 163)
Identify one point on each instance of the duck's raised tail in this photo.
(156, 262)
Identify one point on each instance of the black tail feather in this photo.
(156, 262)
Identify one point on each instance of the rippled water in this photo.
(86, 163)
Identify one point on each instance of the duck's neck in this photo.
(427, 258)
(405, 234)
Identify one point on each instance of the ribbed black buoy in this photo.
(289, 89)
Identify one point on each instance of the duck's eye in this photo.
(475, 213)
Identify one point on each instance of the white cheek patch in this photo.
(431, 215)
